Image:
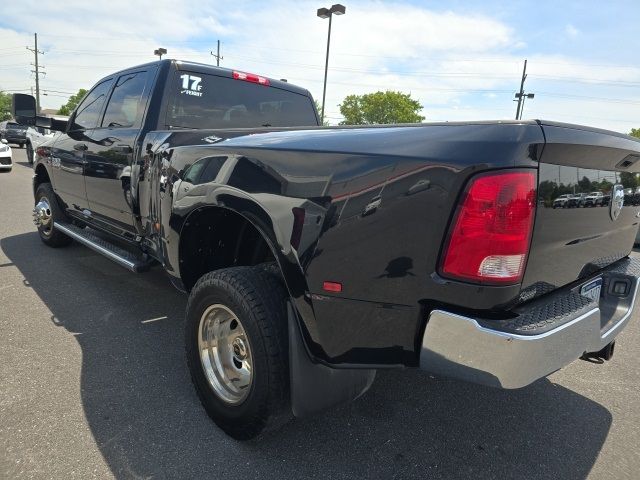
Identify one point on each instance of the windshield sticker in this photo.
(191, 85)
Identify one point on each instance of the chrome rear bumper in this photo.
(515, 353)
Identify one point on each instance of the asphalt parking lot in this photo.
(93, 384)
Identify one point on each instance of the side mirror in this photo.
(23, 108)
(4, 141)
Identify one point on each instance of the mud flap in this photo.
(316, 387)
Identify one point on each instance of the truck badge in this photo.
(617, 201)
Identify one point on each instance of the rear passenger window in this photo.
(88, 112)
(125, 107)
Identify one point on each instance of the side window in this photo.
(88, 112)
(204, 170)
(125, 107)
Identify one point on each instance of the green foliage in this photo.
(68, 108)
(629, 180)
(5, 106)
(635, 132)
(325, 123)
(380, 108)
(584, 185)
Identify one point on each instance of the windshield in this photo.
(209, 101)
(14, 126)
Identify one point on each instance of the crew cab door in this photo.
(68, 154)
(112, 148)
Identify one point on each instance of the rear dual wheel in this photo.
(236, 346)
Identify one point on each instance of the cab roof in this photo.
(213, 70)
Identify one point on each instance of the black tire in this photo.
(30, 155)
(50, 236)
(257, 297)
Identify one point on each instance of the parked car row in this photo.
(593, 199)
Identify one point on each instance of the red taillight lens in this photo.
(492, 229)
(251, 77)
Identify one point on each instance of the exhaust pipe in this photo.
(599, 357)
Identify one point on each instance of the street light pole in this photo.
(326, 69)
(336, 9)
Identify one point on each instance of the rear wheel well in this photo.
(42, 176)
(215, 238)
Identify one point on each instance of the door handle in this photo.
(124, 149)
(80, 146)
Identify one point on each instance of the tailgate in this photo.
(573, 241)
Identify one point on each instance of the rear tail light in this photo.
(251, 77)
(491, 233)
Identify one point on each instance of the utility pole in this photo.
(37, 71)
(520, 94)
(217, 56)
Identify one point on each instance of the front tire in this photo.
(46, 212)
(30, 155)
(237, 348)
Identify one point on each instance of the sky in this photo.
(462, 60)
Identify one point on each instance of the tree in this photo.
(635, 132)
(380, 107)
(628, 180)
(325, 122)
(5, 106)
(72, 103)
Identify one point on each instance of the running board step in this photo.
(113, 252)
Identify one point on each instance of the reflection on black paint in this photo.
(252, 176)
(397, 268)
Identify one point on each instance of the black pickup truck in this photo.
(314, 256)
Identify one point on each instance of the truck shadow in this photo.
(146, 419)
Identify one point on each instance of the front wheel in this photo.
(30, 156)
(237, 350)
(45, 213)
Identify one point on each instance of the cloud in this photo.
(571, 31)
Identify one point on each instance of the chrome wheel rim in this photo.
(225, 354)
(42, 215)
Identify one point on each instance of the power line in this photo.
(267, 47)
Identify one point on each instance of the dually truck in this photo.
(314, 256)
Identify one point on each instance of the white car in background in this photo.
(37, 136)
(5, 157)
